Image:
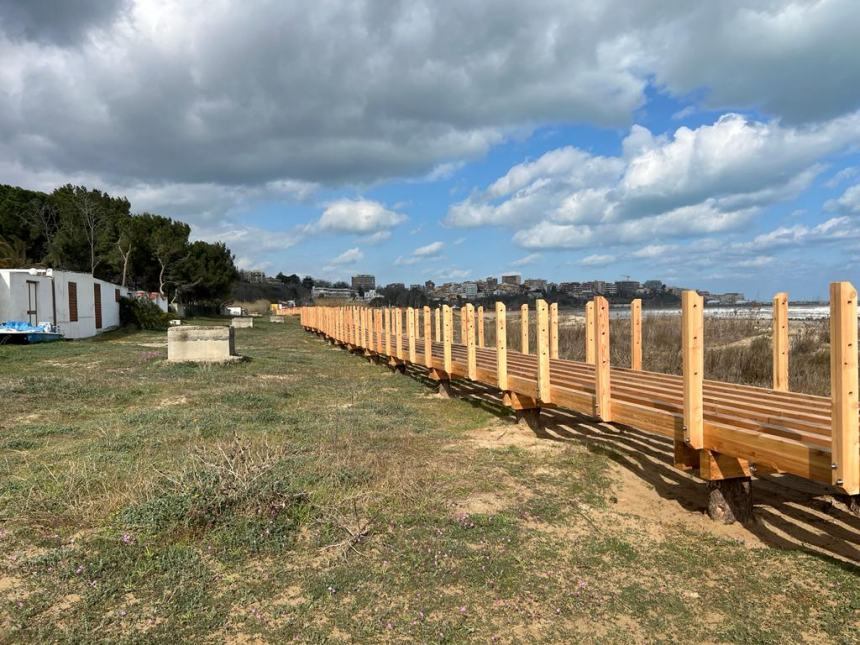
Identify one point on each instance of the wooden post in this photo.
(398, 332)
(360, 317)
(524, 329)
(693, 353)
(410, 331)
(438, 325)
(589, 332)
(843, 387)
(481, 326)
(543, 343)
(553, 330)
(636, 334)
(380, 348)
(387, 331)
(602, 391)
(448, 328)
(780, 342)
(428, 340)
(471, 358)
(501, 346)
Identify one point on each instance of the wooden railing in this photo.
(724, 430)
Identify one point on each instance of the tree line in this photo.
(80, 229)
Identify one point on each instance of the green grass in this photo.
(305, 494)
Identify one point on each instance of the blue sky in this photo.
(710, 145)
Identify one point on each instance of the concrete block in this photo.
(277, 319)
(201, 344)
(242, 323)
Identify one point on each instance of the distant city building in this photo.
(364, 282)
(732, 298)
(535, 284)
(395, 285)
(254, 277)
(597, 286)
(470, 289)
(429, 285)
(627, 286)
(491, 283)
(512, 278)
(331, 292)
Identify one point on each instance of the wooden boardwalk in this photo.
(723, 430)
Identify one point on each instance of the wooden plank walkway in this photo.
(724, 430)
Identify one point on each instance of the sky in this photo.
(711, 145)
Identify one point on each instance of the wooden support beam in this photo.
(715, 466)
(693, 354)
(481, 326)
(519, 402)
(428, 339)
(602, 391)
(636, 334)
(543, 385)
(589, 332)
(377, 317)
(780, 342)
(463, 325)
(553, 330)
(447, 329)
(524, 329)
(501, 346)
(359, 315)
(845, 430)
(438, 315)
(471, 356)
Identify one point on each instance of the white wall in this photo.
(14, 300)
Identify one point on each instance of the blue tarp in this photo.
(18, 325)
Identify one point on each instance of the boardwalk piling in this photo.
(843, 388)
(501, 346)
(524, 329)
(428, 340)
(589, 332)
(636, 334)
(602, 391)
(780, 342)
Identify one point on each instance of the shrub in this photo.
(143, 314)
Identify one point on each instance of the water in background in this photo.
(795, 312)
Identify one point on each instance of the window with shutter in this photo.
(73, 302)
(97, 298)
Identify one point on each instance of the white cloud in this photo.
(376, 238)
(842, 175)
(357, 216)
(531, 258)
(428, 250)
(350, 256)
(712, 179)
(848, 202)
(226, 93)
(597, 260)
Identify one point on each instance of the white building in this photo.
(78, 304)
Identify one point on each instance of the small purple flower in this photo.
(462, 610)
(79, 570)
(127, 538)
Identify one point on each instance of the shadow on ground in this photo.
(789, 512)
